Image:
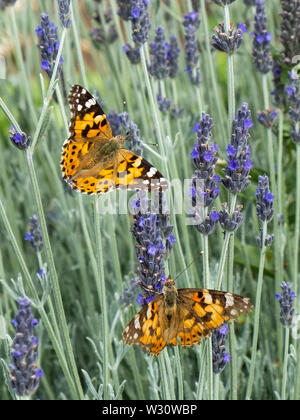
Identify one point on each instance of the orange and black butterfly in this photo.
(93, 160)
(188, 314)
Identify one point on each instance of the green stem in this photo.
(257, 313)
(285, 363)
(101, 289)
(212, 72)
(230, 76)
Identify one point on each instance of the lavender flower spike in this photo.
(154, 241)
(140, 22)
(238, 152)
(48, 45)
(24, 372)
(191, 24)
(64, 13)
(293, 93)
(290, 29)
(261, 40)
(158, 55)
(286, 301)
(34, 235)
(265, 199)
(219, 356)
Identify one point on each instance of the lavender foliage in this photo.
(24, 372)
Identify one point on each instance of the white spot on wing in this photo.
(229, 299)
(137, 324)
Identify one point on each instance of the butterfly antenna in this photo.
(188, 266)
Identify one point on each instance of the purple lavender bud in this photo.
(124, 9)
(219, 356)
(230, 223)
(286, 301)
(158, 66)
(48, 41)
(227, 41)
(261, 40)
(264, 200)
(24, 372)
(239, 163)
(204, 160)
(191, 23)
(209, 225)
(20, 140)
(267, 118)
(172, 56)
(34, 236)
(154, 241)
(64, 13)
(133, 53)
(140, 23)
(164, 104)
(290, 29)
(293, 92)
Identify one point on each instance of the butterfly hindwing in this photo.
(145, 329)
(211, 308)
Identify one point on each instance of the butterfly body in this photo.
(185, 314)
(93, 160)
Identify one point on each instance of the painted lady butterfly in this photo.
(93, 161)
(189, 314)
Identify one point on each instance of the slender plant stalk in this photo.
(285, 363)
(257, 312)
(212, 71)
(101, 289)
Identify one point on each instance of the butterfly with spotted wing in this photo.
(93, 160)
